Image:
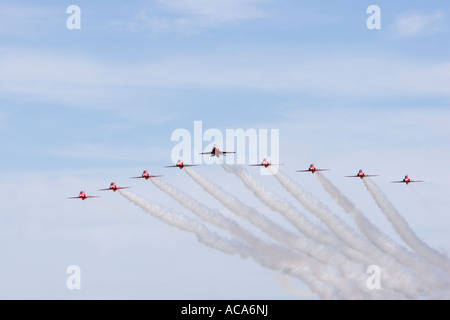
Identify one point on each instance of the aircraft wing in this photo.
(401, 181)
(256, 165)
(305, 170)
(365, 175)
(184, 165)
(83, 197)
(122, 188)
(150, 176)
(104, 189)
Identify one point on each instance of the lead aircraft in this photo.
(216, 152)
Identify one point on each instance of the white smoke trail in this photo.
(338, 226)
(404, 230)
(315, 250)
(302, 224)
(298, 220)
(399, 279)
(212, 216)
(268, 250)
(422, 269)
(254, 217)
(287, 285)
(296, 268)
(185, 223)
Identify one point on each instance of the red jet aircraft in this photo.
(83, 196)
(361, 175)
(265, 163)
(406, 180)
(312, 169)
(113, 186)
(217, 152)
(180, 164)
(145, 175)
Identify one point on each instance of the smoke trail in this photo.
(298, 268)
(186, 224)
(286, 284)
(297, 219)
(260, 221)
(315, 250)
(406, 282)
(267, 249)
(404, 230)
(212, 216)
(338, 226)
(380, 239)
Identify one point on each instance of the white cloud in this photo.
(415, 24)
(93, 151)
(188, 17)
(2, 121)
(29, 20)
(217, 10)
(81, 80)
(98, 235)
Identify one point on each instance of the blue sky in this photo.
(80, 108)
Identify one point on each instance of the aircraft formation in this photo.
(216, 152)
